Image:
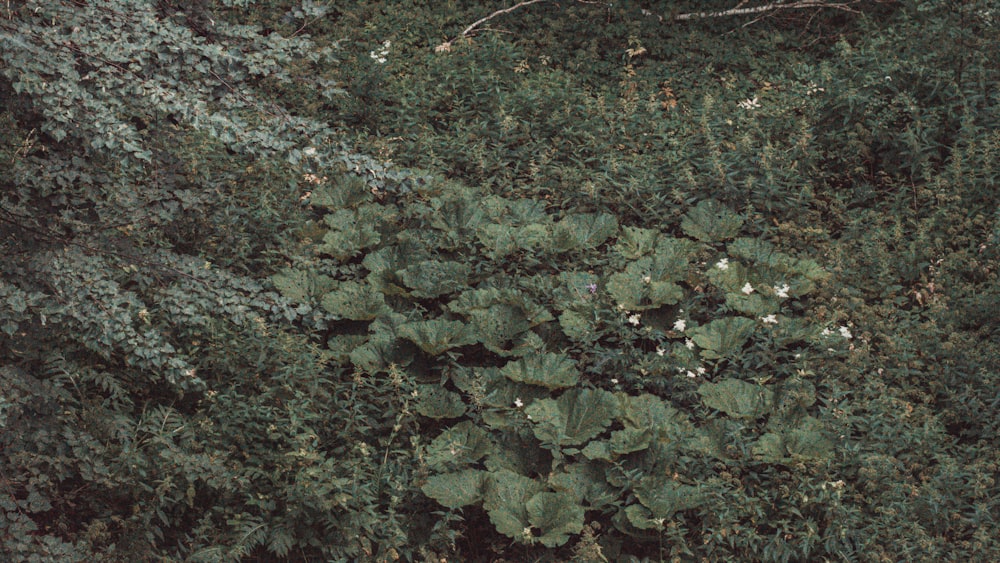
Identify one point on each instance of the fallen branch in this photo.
(738, 11)
(446, 46)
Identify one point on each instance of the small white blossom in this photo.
(826, 332)
(701, 370)
(614, 381)
(770, 319)
(722, 264)
(750, 104)
(680, 325)
(633, 319)
(689, 344)
(747, 288)
(518, 402)
(381, 54)
(846, 332)
(781, 291)
(660, 351)
(691, 374)
(647, 279)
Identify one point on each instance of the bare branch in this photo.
(446, 46)
(739, 11)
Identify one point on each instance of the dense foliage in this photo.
(289, 281)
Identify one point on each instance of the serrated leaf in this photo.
(737, 398)
(649, 411)
(575, 417)
(711, 221)
(642, 518)
(585, 481)
(577, 327)
(352, 230)
(341, 345)
(301, 286)
(634, 242)
(354, 301)
(342, 192)
(437, 335)
(455, 490)
(629, 440)
(556, 515)
(597, 450)
(552, 371)
(722, 338)
(505, 501)
(664, 497)
(432, 278)
(435, 401)
(458, 446)
(583, 231)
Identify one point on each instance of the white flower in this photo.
(770, 319)
(309, 151)
(614, 381)
(846, 332)
(647, 279)
(750, 104)
(518, 402)
(680, 325)
(634, 319)
(826, 332)
(701, 370)
(660, 351)
(722, 264)
(781, 291)
(747, 288)
(380, 56)
(691, 374)
(689, 344)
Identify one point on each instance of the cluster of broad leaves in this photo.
(498, 348)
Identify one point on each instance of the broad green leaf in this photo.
(556, 515)
(437, 335)
(629, 440)
(341, 345)
(459, 446)
(722, 338)
(664, 496)
(642, 518)
(808, 441)
(355, 301)
(737, 398)
(352, 230)
(598, 450)
(770, 448)
(711, 221)
(649, 411)
(506, 501)
(577, 326)
(432, 278)
(634, 242)
(585, 481)
(552, 371)
(583, 231)
(634, 292)
(575, 417)
(435, 401)
(455, 490)
(301, 286)
(342, 192)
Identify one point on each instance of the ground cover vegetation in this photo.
(306, 281)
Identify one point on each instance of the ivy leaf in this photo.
(711, 221)
(556, 515)
(455, 490)
(737, 398)
(506, 500)
(575, 417)
(437, 335)
(722, 338)
(431, 278)
(552, 371)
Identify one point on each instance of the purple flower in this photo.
(592, 287)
